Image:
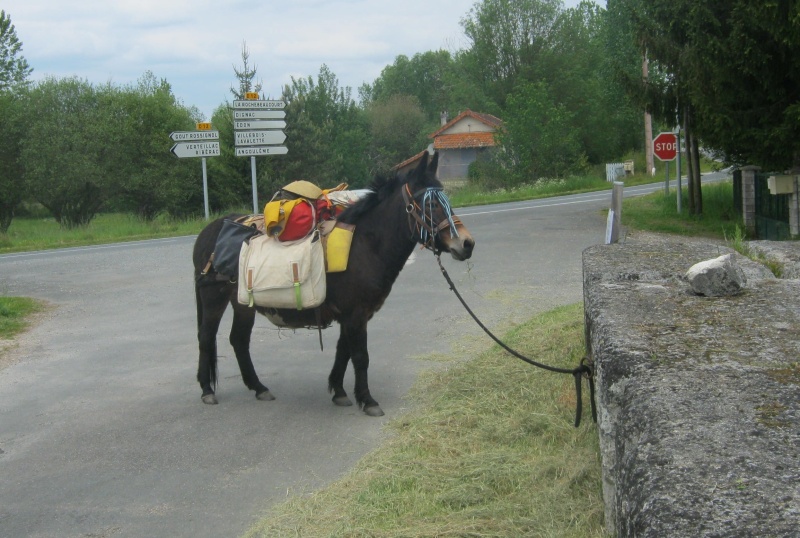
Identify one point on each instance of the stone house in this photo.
(459, 142)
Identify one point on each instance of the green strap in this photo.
(298, 296)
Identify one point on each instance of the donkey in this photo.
(398, 213)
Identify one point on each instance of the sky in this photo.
(195, 44)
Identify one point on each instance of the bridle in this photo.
(421, 220)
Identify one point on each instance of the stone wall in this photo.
(698, 398)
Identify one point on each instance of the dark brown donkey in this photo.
(399, 213)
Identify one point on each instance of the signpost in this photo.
(258, 138)
(204, 142)
(665, 147)
(258, 104)
(196, 149)
(261, 150)
(259, 114)
(182, 136)
(257, 125)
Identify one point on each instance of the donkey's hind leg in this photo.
(242, 328)
(357, 342)
(211, 303)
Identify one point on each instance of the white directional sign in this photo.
(258, 124)
(258, 138)
(259, 114)
(257, 104)
(257, 151)
(179, 136)
(195, 149)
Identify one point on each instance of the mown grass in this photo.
(26, 234)
(657, 212)
(15, 313)
(489, 451)
(476, 194)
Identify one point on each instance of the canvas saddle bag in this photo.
(282, 274)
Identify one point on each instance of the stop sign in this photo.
(665, 146)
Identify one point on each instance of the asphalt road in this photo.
(102, 431)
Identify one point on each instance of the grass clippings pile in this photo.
(490, 451)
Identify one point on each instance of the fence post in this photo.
(749, 199)
(794, 208)
(615, 213)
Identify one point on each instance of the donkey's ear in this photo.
(422, 166)
(433, 164)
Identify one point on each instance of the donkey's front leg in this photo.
(357, 340)
(336, 377)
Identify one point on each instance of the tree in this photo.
(742, 71)
(150, 177)
(730, 73)
(576, 69)
(427, 76)
(14, 73)
(12, 186)
(397, 129)
(507, 37)
(14, 68)
(230, 187)
(246, 76)
(326, 132)
(538, 139)
(70, 164)
(659, 28)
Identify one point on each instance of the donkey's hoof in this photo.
(265, 396)
(342, 401)
(374, 411)
(210, 399)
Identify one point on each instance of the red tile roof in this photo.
(464, 140)
(488, 119)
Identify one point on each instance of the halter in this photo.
(421, 223)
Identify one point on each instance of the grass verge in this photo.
(490, 451)
(15, 313)
(472, 194)
(26, 234)
(657, 212)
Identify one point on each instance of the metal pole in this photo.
(666, 181)
(255, 190)
(616, 204)
(205, 186)
(678, 171)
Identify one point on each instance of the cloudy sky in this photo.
(194, 44)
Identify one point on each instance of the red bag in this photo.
(299, 222)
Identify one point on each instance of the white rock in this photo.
(718, 277)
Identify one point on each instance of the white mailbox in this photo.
(781, 184)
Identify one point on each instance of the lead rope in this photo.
(584, 369)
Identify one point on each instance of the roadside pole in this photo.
(615, 213)
(202, 143)
(666, 146)
(205, 188)
(678, 171)
(257, 125)
(255, 185)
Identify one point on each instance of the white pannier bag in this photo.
(282, 274)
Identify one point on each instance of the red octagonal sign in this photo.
(665, 146)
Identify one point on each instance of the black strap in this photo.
(584, 369)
